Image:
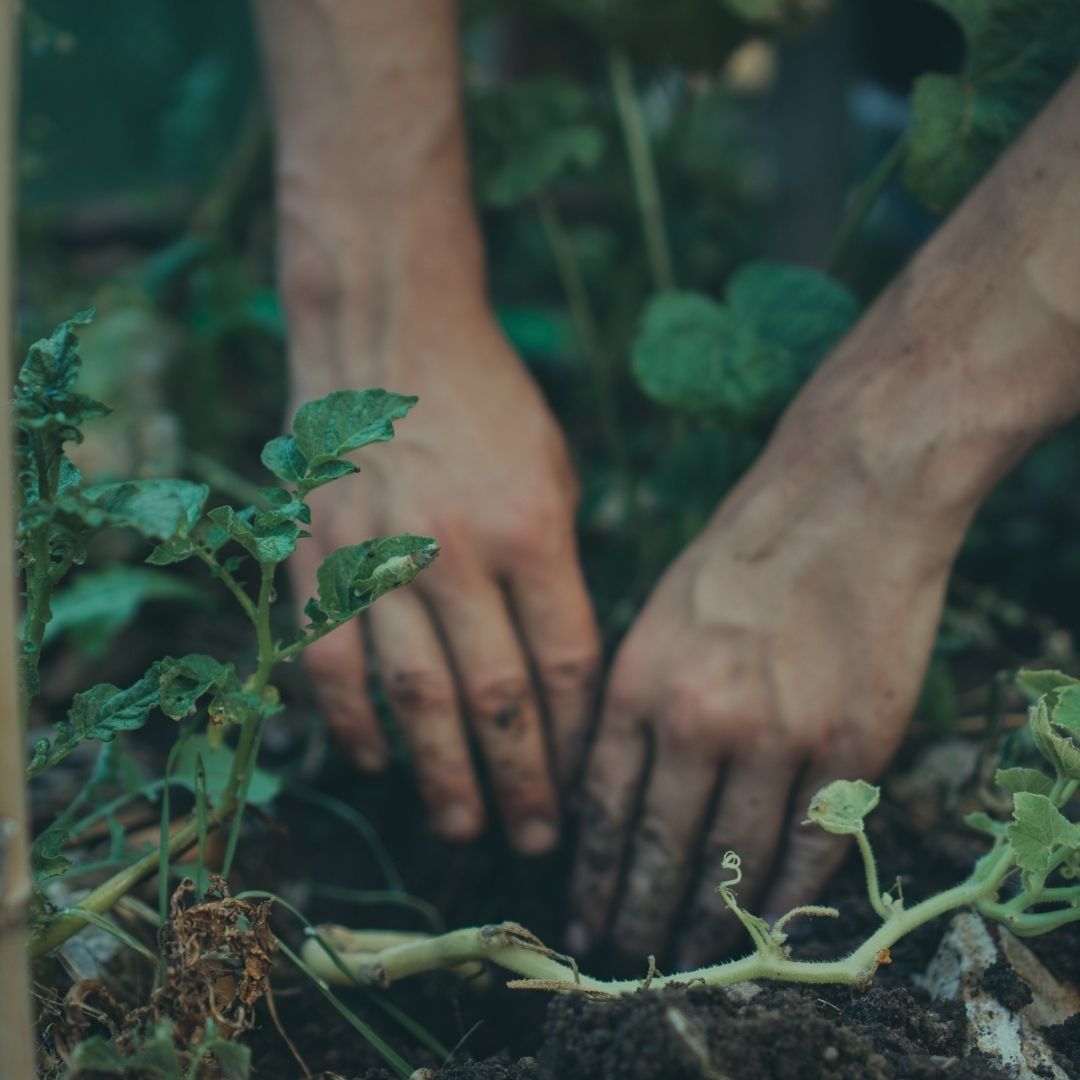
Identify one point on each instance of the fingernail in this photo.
(456, 822)
(578, 939)
(536, 836)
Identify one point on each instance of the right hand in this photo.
(496, 641)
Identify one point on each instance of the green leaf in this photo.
(1018, 779)
(45, 401)
(271, 544)
(1038, 832)
(283, 458)
(206, 534)
(346, 420)
(744, 359)
(218, 763)
(99, 604)
(1017, 54)
(157, 509)
(352, 578)
(183, 681)
(46, 854)
(98, 713)
(1055, 726)
(1043, 681)
(840, 807)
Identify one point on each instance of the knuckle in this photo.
(572, 674)
(331, 659)
(499, 701)
(419, 690)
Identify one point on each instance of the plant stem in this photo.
(228, 581)
(863, 203)
(597, 358)
(873, 889)
(642, 169)
(513, 948)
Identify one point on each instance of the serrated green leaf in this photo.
(352, 578)
(346, 420)
(1042, 681)
(1017, 780)
(283, 458)
(272, 544)
(45, 401)
(1038, 832)
(744, 359)
(983, 822)
(1017, 54)
(46, 854)
(99, 713)
(529, 134)
(840, 807)
(1055, 728)
(181, 682)
(218, 763)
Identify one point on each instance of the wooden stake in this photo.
(16, 1030)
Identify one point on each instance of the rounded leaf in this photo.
(840, 807)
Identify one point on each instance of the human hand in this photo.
(784, 649)
(495, 640)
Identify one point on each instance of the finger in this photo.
(559, 628)
(337, 668)
(503, 709)
(749, 821)
(676, 802)
(420, 689)
(614, 774)
(811, 854)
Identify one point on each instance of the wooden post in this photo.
(16, 1018)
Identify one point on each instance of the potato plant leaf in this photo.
(98, 713)
(45, 399)
(1038, 832)
(743, 359)
(346, 420)
(528, 134)
(272, 544)
(181, 682)
(1017, 53)
(156, 509)
(352, 578)
(840, 807)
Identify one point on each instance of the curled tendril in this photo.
(732, 862)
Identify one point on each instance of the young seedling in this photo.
(58, 517)
(1029, 880)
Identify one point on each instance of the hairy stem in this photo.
(642, 169)
(873, 889)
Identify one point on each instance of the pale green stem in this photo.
(228, 581)
(873, 889)
(642, 169)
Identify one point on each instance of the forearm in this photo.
(375, 221)
(970, 357)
